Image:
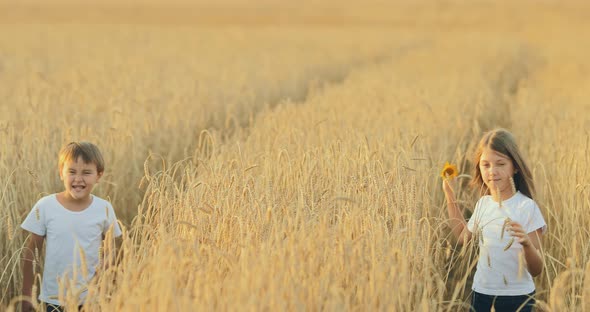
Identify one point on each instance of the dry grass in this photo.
(298, 167)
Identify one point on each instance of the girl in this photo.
(506, 223)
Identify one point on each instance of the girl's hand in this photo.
(449, 186)
(517, 231)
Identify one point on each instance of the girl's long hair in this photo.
(502, 141)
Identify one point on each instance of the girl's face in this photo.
(496, 170)
(79, 178)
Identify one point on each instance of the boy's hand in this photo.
(26, 306)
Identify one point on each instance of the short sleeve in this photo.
(471, 223)
(111, 221)
(35, 221)
(535, 219)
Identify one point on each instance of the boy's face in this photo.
(496, 170)
(79, 178)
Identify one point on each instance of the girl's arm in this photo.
(34, 242)
(531, 244)
(456, 220)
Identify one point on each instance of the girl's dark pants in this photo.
(55, 308)
(481, 302)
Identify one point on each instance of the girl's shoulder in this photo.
(523, 201)
(484, 200)
(519, 201)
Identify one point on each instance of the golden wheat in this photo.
(297, 167)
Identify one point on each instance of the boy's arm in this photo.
(108, 252)
(34, 242)
(111, 240)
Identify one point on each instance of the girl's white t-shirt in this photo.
(500, 272)
(65, 233)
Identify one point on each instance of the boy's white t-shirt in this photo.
(500, 272)
(65, 232)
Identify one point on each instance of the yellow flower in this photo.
(449, 171)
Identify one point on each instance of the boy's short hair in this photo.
(88, 151)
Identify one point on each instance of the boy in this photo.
(73, 223)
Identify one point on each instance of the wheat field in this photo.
(263, 156)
